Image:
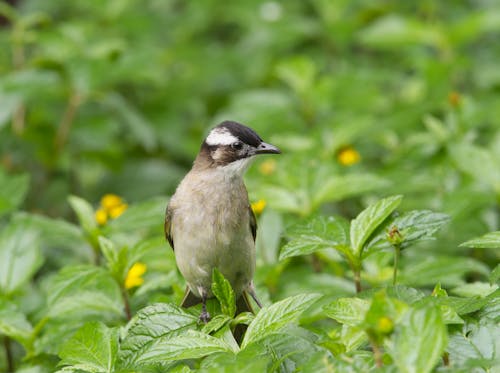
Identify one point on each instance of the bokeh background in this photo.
(116, 96)
(366, 98)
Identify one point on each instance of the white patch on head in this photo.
(220, 136)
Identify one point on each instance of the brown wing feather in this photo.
(253, 223)
(168, 227)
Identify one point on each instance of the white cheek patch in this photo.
(220, 136)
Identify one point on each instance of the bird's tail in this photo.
(242, 305)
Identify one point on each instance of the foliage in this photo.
(377, 247)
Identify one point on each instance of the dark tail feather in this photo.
(190, 299)
(242, 305)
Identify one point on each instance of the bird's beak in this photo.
(265, 148)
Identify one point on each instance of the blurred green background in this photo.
(116, 96)
(366, 98)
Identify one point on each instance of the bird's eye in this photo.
(237, 145)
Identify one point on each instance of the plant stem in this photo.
(397, 252)
(377, 354)
(126, 303)
(18, 61)
(357, 279)
(74, 102)
(8, 354)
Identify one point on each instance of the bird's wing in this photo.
(253, 223)
(168, 226)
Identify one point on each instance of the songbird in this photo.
(209, 222)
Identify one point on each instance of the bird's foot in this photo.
(204, 316)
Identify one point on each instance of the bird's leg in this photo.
(204, 316)
(251, 291)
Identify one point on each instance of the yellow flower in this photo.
(101, 216)
(108, 201)
(347, 156)
(258, 206)
(267, 167)
(134, 275)
(385, 325)
(112, 206)
(116, 211)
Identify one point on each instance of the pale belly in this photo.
(223, 242)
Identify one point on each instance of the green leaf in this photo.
(224, 293)
(20, 256)
(420, 340)
(473, 289)
(138, 126)
(150, 324)
(449, 270)
(369, 219)
(269, 235)
(319, 233)
(84, 212)
(93, 348)
(13, 189)
(146, 214)
(477, 162)
(495, 274)
(490, 240)
(85, 291)
(189, 345)
(288, 349)
(276, 316)
(476, 346)
(341, 187)
(348, 311)
(116, 258)
(413, 226)
(13, 322)
(216, 323)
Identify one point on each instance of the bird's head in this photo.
(232, 146)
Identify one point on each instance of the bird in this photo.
(209, 222)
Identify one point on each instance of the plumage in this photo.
(209, 222)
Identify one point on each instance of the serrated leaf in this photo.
(85, 290)
(318, 234)
(150, 324)
(20, 255)
(369, 219)
(93, 348)
(476, 346)
(289, 348)
(13, 189)
(490, 240)
(419, 340)
(224, 293)
(13, 322)
(216, 323)
(190, 345)
(272, 318)
(413, 226)
(84, 212)
(348, 311)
